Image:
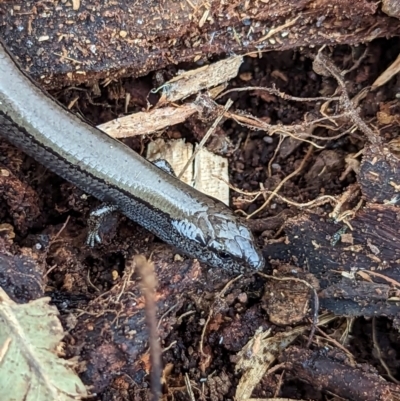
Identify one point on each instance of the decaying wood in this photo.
(335, 372)
(143, 123)
(359, 298)
(342, 259)
(327, 248)
(380, 173)
(67, 43)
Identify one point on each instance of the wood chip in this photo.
(143, 123)
(176, 153)
(76, 4)
(194, 81)
(203, 174)
(211, 175)
(388, 74)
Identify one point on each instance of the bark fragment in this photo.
(65, 44)
(332, 372)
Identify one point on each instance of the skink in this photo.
(195, 224)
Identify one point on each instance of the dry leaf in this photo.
(30, 370)
(145, 362)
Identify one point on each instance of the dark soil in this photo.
(97, 290)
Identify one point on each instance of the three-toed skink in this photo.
(197, 225)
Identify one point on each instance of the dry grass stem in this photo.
(148, 286)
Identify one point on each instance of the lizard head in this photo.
(220, 240)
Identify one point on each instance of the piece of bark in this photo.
(237, 331)
(270, 223)
(61, 44)
(319, 245)
(144, 123)
(360, 298)
(380, 174)
(330, 372)
(325, 249)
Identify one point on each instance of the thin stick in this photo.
(277, 92)
(324, 62)
(59, 232)
(148, 286)
(336, 343)
(382, 276)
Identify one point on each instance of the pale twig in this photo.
(315, 202)
(357, 63)
(351, 192)
(129, 270)
(280, 381)
(59, 232)
(281, 139)
(278, 93)
(188, 313)
(331, 138)
(90, 283)
(325, 64)
(64, 57)
(255, 123)
(166, 313)
(279, 28)
(189, 388)
(334, 342)
(382, 276)
(167, 348)
(298, 138)
(50, 270)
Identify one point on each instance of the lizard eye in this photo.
(224, 255)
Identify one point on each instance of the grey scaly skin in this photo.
(197, 225)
